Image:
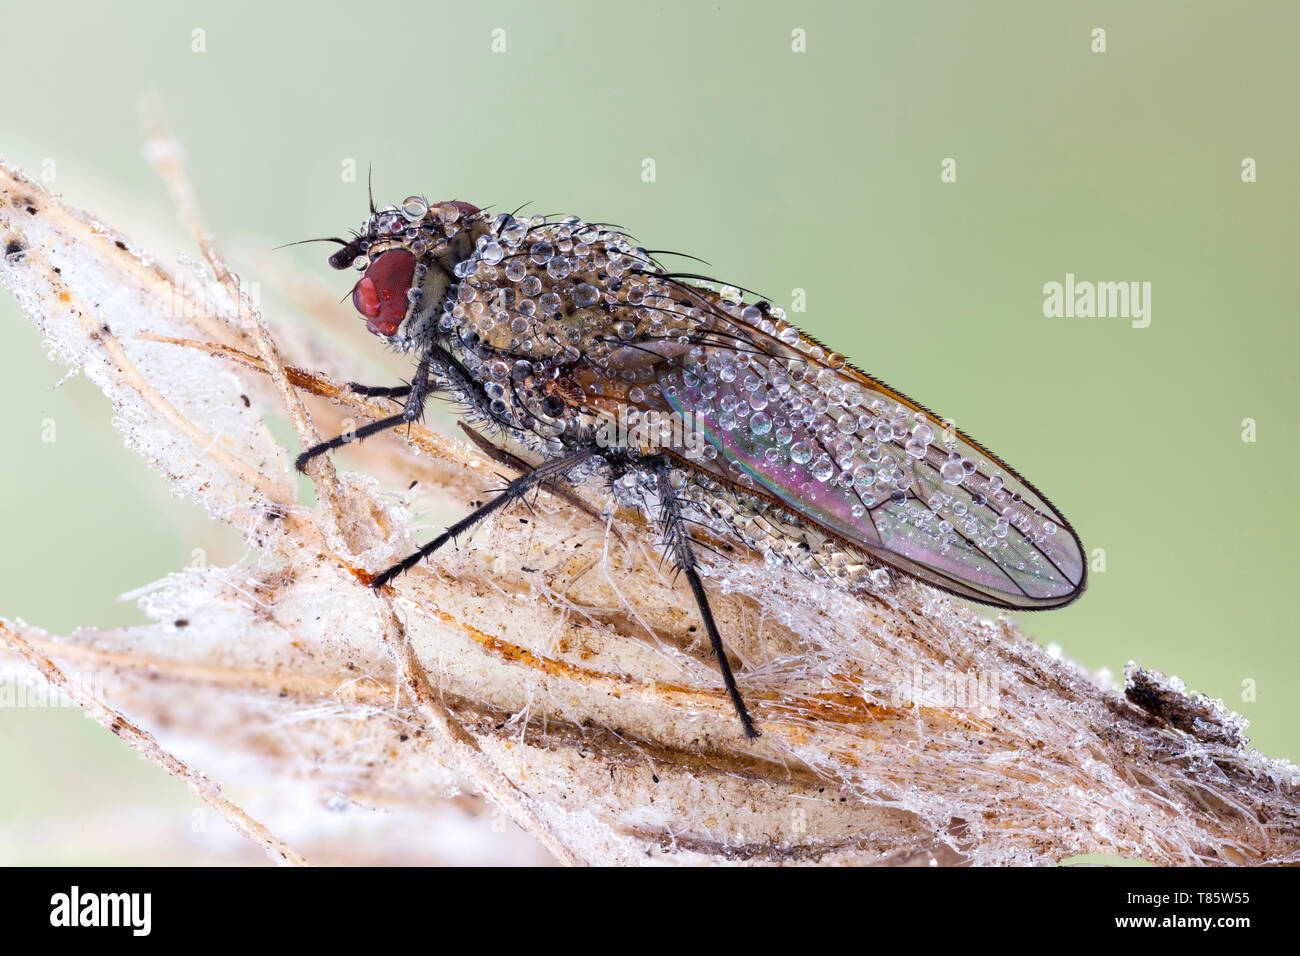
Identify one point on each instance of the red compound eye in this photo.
(381, 294)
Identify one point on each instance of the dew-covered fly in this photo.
(565, 341)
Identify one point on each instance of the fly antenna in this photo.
(334, 239)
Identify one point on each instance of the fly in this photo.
(564, 340)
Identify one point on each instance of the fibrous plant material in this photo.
(550, 670)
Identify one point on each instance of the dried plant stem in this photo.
(141, 740)
(469, 757)
(278, 493)
(461, 745)
(166, 153)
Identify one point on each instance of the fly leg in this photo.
(543, 474)
(416, 393)
(379, 391)
(678, 546)
(555, 486)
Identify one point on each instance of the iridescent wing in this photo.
(786, 420)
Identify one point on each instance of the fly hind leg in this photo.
(680, 550)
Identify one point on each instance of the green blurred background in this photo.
(816, 170)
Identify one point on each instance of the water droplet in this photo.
(514, 231)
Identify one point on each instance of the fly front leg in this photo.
(416, 393)
(379, 391)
